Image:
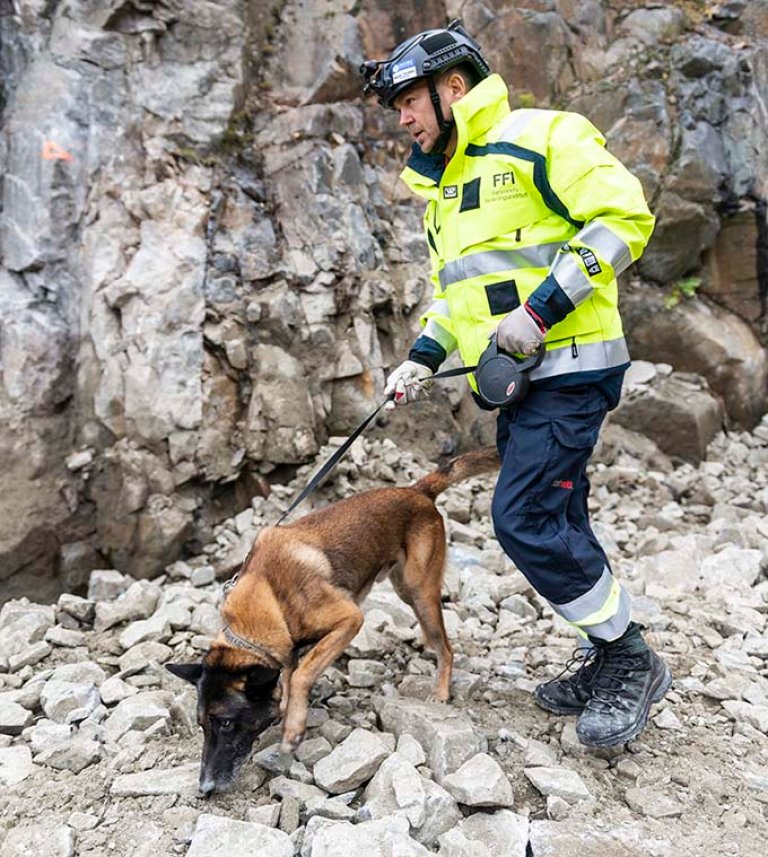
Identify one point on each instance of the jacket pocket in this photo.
(502, 297)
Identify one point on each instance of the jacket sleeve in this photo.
(607, 205)
(437, 340)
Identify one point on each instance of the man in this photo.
(529, 221)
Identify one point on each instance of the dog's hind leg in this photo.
(419, 585)
(341, 620)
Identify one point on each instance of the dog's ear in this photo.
(260, 679)
(189, 672)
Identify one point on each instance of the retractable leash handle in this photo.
(502, 379)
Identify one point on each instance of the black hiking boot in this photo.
(630, 679)
(569, 695)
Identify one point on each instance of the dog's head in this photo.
(235, 704)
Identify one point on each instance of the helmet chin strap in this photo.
(445, 126)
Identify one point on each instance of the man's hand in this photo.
(520, 332)
(407, 383)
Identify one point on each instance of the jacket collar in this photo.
(480, 110)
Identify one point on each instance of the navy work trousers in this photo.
(540, 504)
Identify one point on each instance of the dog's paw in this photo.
(439, 696)
(290, 743)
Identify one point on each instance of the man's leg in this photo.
(541, 520)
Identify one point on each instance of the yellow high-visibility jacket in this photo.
(531, 207)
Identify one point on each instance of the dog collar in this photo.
(233, 639)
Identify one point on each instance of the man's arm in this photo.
(599, 191)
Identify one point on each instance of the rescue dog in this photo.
(300, 586)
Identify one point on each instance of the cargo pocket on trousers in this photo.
(573, 441)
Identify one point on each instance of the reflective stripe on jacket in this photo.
(530, 207)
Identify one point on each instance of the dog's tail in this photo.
(462, 467)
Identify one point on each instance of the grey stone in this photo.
(409, 748)
(334, 731)
(558, 809)
(561, 782)
(182, 780)
(496, 834)
(81, 609)
(334, 808)
(410, 794)
(652, 803)
(755, 715)
(75, 755)
(106, 585)
(138, 713)
(283, 787)
(116, 690)
(45, 734)
(59, 636)
(29, 656)
(481, 782)
(142, 655)
(139, 601)
(447, 737)
(15, 765)
(67, 702)
(289, 815)
(51, 839)
(157, 629)
(13, 717)
(218, 836)
(310, 752)
(206, 620)
(571, 839)
(381, 799)
(267, 814)
(81, 672)
(351, 763)
(386, 837)
(82, 821)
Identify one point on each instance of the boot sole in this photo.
(565, 710)
(663, 685)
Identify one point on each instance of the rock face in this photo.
(207, 264)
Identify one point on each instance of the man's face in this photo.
(418, 115)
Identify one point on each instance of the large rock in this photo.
(218, 836)
(385, 838)
(697, 336)
(447, 737)
(15, 765)
(481, 782)
(495, 834)
(678, 414)
(398, 787)
(165, 781)
(352, 763)
(54, 840)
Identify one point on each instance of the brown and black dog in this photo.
(300, 586)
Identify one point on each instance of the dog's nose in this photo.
(207, 787)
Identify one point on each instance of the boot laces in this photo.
(578, 664)
(610, 685)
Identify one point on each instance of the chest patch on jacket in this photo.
(451, 191)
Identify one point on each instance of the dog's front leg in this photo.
(345, 621)
(285, 686)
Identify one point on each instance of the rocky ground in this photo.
(99, 748)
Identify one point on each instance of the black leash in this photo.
(336, 457)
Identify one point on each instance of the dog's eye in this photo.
(225, 724)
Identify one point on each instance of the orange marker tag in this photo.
(53, 152)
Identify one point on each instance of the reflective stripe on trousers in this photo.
(540, 507)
